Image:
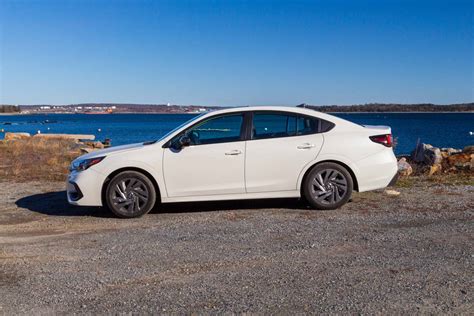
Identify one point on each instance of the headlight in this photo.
(84, 164)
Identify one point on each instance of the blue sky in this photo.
(236, 52)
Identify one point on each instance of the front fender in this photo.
(112, 165)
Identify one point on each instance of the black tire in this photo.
(130, 194)
(333, 191)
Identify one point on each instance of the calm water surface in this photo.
(439, 129)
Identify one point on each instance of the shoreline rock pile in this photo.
(84, 143)
(427, 159)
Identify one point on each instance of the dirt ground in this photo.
(378, 254)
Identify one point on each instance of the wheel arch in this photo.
(345, 166)
(116, 172)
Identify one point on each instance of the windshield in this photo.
(177, 128)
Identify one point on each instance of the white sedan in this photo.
(239, 153)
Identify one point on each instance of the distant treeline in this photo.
(383, 107)
(9, 109)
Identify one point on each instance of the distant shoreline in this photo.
(168, 113)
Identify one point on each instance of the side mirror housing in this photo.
(184, 141)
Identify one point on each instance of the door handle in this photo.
(305, 146)
(233, 152)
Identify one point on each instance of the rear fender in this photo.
(327, 158)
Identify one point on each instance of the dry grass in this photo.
(36, 159)
(458, 178)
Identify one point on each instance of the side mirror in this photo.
(184, 141)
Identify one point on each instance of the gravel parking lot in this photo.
(408, 254)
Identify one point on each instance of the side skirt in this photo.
(239, 196)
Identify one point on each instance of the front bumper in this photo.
(84, 188)
(74, 193)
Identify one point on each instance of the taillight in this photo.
(385, 140)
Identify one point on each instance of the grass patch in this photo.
(36, 159)
(406, 182)
(459, 178)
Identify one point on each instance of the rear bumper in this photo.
(394, 180)
(377, 171)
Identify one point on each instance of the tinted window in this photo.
(270, 125)
(307, 125)
(216, 130)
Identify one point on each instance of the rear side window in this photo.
(272, 125)
(307, 125)
(275, 124)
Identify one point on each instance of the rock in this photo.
(17, 136)
(468, 149)
(96, 145)
(66, 136)
(391, 192)
(433, 156)
(450, 151)
(404, 168)
(436, 168)
(461, 161)
(87, 150)
(427, 154)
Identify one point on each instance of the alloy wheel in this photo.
(328, 186)
(130, 195)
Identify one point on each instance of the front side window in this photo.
(222, 129)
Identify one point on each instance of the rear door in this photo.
(281, 144)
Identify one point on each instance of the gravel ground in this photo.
(378, 254)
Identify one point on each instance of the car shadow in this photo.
(208, 206)
(55, 204)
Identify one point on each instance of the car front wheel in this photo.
(328, 186)
(130, 194)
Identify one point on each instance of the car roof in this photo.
(289, 109)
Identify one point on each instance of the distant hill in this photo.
(165, 108)
(384, 107)
(114, 108)
(9, 109)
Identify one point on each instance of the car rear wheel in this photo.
(328, 186)
(130, 194)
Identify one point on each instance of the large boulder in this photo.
(427, 154)
(461, 161)
(404, 168)
(17, 136)
(450, 151)
(96, 144)
(468, 149)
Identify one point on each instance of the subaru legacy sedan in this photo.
(239, 153)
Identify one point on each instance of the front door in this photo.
(213, 164)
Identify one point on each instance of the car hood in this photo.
(111, 150)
